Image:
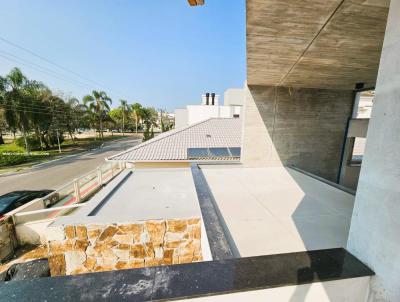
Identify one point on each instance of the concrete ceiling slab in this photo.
(314, 43)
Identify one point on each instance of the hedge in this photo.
(12, 158)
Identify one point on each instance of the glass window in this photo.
(235, 151)
(197, 152)
(219, 152)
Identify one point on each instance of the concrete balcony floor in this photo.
(278, 210)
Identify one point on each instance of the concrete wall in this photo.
(32, 233)
(358, 127)
(151, 165)
(350, 172)
(198, 113)
(375, 229)
(304, 127)
(234, 97)
(181, 118)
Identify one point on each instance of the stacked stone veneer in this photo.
(8, 241)
(76, 249)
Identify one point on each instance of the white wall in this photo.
(347, 290)
(198, 113)
(181, 118)
(32, 232)
(375, 227)
(234, 96)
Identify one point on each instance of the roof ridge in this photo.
(167, 134)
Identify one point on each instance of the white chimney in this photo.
(210, 99)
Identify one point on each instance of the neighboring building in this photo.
(234, 97)
(210, 108)
(181, 118)
(214, 139)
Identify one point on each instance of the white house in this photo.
(210, 108)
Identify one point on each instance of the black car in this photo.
(13, 200)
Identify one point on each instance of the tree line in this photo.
(30, 108)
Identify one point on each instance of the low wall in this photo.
(32, 233)
(8, 241)
(76, 249)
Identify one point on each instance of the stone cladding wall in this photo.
(77, 249)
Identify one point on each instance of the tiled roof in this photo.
(172, 145)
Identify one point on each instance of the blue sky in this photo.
(162, 53)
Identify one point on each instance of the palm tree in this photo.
(137, 111)
(124, 108)
(98, 104)
(77, 112)
(149, 116)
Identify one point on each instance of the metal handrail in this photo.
(115, 170)
(71, 206)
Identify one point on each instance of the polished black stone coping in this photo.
(185, 281)
(220, 245)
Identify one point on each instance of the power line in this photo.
(40, 69)
(35, 107)
(19, 109)
(59, 66)
(45, 68)
(37, 110)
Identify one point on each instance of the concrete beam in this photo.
(314, 43)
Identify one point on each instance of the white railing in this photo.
(66, 199)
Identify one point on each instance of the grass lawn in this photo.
(11, 147)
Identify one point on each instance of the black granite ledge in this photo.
(165, 283)
(219, 239)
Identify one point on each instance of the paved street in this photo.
(53, 175)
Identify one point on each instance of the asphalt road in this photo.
(53, 175)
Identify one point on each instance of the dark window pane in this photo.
(235, 151)
(219, 152)
(197, 152)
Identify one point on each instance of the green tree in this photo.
(124, 110)
(137, 113)
(98, 103)
(18, 101)
(41, 114)
(77, 113)
(149, 116)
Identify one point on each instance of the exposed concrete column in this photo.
(304, 127)
(375, 228)
(257, 146)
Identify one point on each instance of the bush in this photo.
(12, 158)
(33, 142)
(148, 134)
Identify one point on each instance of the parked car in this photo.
(15, 199)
